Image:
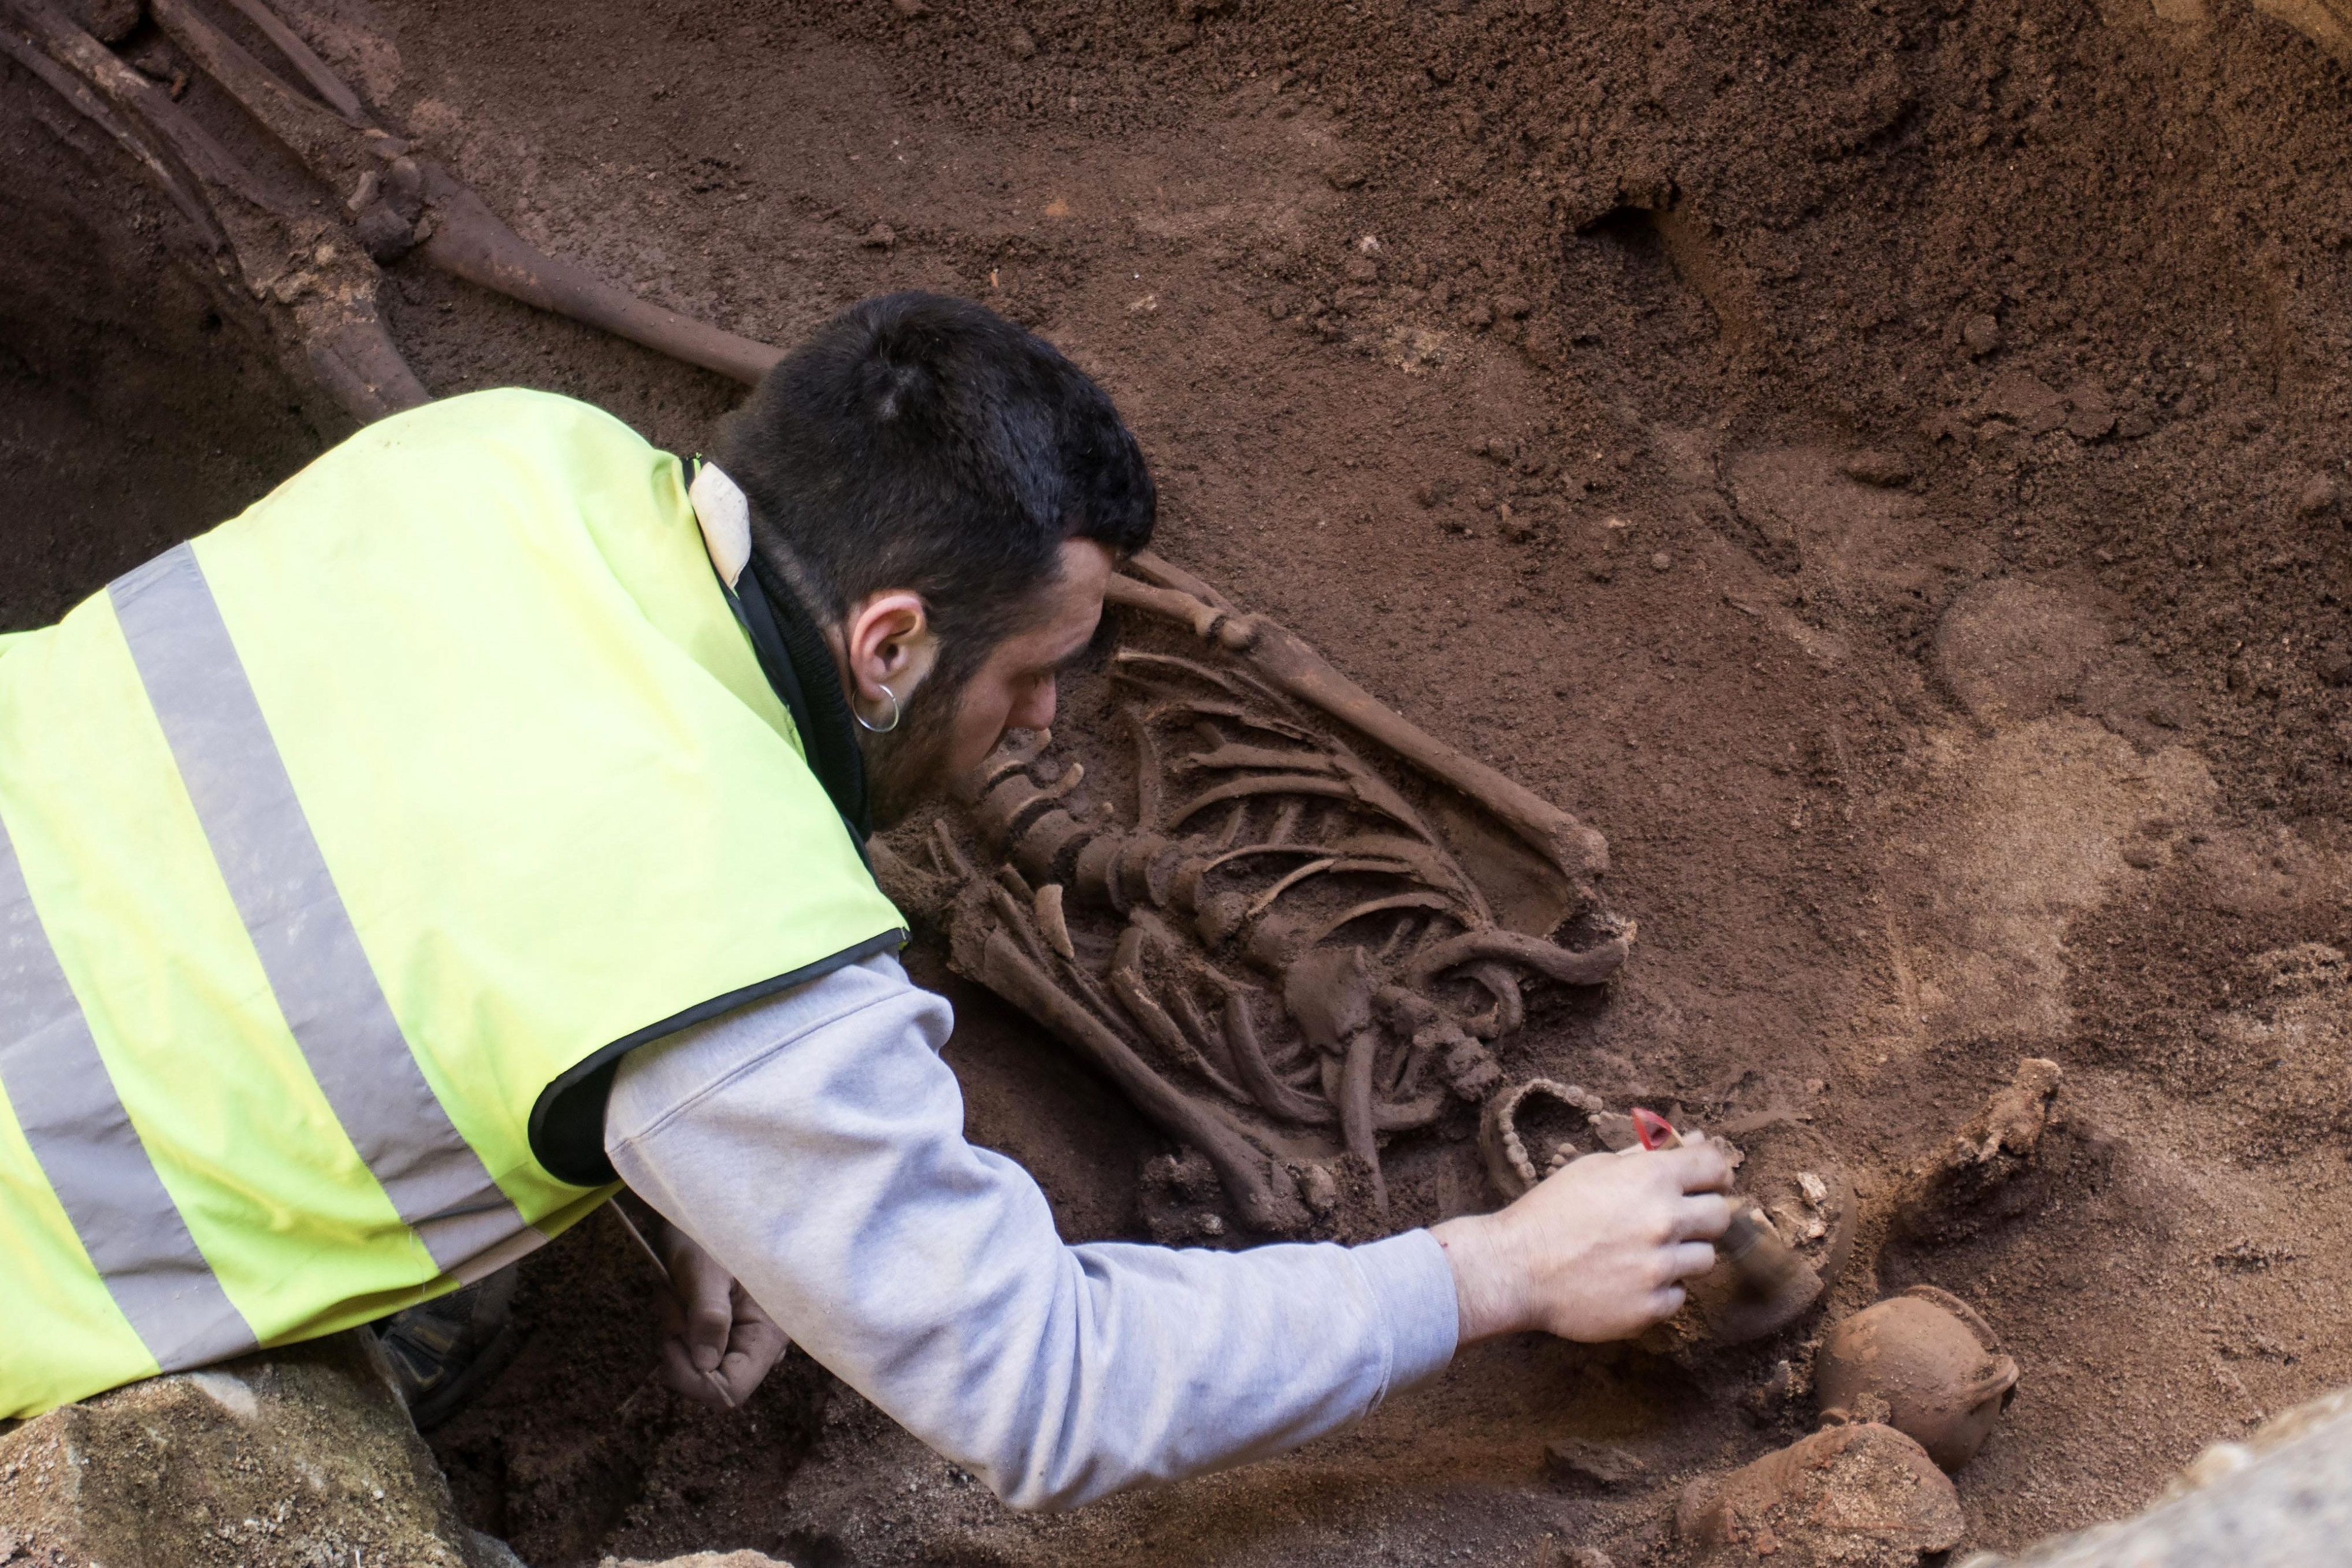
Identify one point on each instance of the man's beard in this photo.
(908, 765)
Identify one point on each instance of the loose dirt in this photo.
(1881, 464)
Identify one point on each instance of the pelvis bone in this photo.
(1283, 946)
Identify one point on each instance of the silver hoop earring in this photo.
(897, 713)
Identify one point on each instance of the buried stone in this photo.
(1861, 1496)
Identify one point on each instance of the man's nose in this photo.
(1036, 711)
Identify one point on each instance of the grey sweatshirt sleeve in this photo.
(813, 1143)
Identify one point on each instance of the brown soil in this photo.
(1909, 418)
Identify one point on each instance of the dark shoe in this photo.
(443, 1349)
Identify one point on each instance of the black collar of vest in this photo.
(792, 654)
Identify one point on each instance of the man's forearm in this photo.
(813, 1143)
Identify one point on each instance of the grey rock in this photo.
(2282, 1498)
(286, 1459)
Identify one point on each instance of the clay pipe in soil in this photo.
(1775, 1279)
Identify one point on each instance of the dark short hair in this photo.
(926, 443)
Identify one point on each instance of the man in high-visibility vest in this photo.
(474, 824)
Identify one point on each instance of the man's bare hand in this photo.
(1597, 1251)
(717, 1345)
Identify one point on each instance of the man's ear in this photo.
(889, 648)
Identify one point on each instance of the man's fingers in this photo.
(706, 1298)
(1699, 1167)
(1701, 1217)
(1690, 1259)
(680, 1373)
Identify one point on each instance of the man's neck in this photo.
(829, 736)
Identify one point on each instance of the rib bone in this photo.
(1266, 1198)
(1296, 669)
(1588, 966)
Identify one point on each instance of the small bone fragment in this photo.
(1048, 909)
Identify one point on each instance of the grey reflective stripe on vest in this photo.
(288, 900)
(65, 1102)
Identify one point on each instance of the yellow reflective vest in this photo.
(335, 846)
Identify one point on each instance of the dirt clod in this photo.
(1579, 1462)
(1346, 172)
(1861, 1496)
(1888, 470)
